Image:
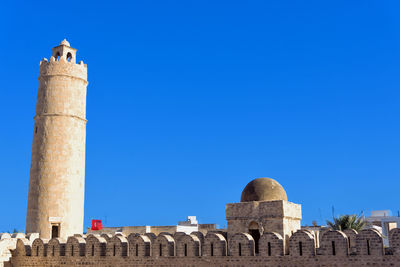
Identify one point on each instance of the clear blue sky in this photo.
(188, 101)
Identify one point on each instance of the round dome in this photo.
(263, 189)
(65, 42)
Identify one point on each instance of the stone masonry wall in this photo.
(213, 250)
(57, 175)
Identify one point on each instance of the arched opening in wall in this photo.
(69, 57)
(58, 55)
(254, 231)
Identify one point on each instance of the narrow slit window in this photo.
(333, 248)
(72, 250)
(52, 251)
(160, 249)
(185, 250)
(137, 250)
(240, 249)
(92, 249)
(212, 249)
(368, 247)
(300, 248)
(114, 250)
(269, 248)
(37, 251)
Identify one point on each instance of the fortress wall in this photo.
(140, 250)
(160, 229)
(8, 243)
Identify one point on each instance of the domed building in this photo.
(263, 189)
(263, 207)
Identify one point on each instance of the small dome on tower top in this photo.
(263, 189)
(65, 42)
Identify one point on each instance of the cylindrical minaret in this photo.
(57, 176)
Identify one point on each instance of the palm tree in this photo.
(345, 222)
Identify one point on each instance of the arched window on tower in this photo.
(69, 57)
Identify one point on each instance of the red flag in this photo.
(97, 225)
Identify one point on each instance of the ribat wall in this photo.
(213, 250)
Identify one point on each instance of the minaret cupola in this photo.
(64, 51)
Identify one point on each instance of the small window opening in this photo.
(52, 251)
(269, 248)
(37, 251)
(368, 247)
(185, 250)
(212, 249)
(35, 129)
(72, 250)
(92, 249)
(55, 231)
(114, 250)
(349, 244)
(255, 233)
(333, 248)
(160, 249)
(69, 57)
(301, 248)
(137, 250)
(240, 249)
(58, 56)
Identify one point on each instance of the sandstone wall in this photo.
(57, 175)
(211, 250)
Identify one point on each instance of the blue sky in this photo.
(188, 101)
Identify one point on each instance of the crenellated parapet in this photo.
(8, 243)
(62, 67)
(214, 248)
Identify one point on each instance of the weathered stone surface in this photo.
(57, 177)
(263, 189)
(121, 251)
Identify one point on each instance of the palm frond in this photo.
(345, 222)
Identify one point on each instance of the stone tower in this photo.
(57, 176)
